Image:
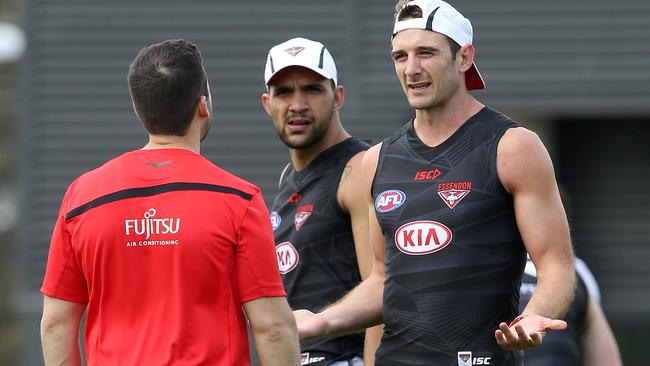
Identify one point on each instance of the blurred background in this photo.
(577, 73)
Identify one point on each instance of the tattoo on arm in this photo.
(346, 172)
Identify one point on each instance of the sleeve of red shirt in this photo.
(64, 278)
(255, 259)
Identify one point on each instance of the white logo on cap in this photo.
(293, 51)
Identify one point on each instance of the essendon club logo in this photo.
(422, 237)
(302, 214)
(287, 257)
(453, 193)
(389, 200)
(293, 51)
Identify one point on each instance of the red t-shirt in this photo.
(164, 247)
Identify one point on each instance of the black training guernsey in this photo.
(559, 348)
(453, 254)
(315, 245)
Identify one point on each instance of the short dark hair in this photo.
(166, 80)
(404, 11)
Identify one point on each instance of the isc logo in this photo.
(427, 174)
(389, 200)
(287, 257)
(481, 361)
(422, 237)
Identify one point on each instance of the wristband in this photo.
(516, 320)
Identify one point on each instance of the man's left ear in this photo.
(465, 57)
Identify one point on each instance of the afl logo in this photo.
(287, 257)
(276, 220)
(422, 237)
(389, 200)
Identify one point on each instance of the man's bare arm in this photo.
(526, 171)
(599, 347)
(351, 198)
(274, 331)
(60, 332)
(361, 308)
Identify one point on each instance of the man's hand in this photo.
(310, 325)
(527, 332)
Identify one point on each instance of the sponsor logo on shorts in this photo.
(422, 237)
(427, 174)
(287, 257)
(276, 220)
(306, 360)
(151, 226)
(465, 359)
(452, 193)
(389, 200)
(302, 214)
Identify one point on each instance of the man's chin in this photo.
(420, 103)
(302, 143)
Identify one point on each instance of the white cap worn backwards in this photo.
(439, 16)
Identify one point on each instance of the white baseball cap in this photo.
(439, 16)
(300, 52)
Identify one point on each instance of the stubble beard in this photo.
(319, 131)
(439, 97)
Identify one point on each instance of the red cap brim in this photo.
(473, 79)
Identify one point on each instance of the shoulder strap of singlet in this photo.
(284, 172)
(384, 145)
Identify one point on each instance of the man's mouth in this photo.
(298, 124)
(418, 86)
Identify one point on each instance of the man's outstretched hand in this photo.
(527, 332)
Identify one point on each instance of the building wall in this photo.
(9, 325)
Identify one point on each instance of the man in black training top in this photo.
(460, 193)
(320, 225)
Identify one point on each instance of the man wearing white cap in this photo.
(320, 225)
(460, 193)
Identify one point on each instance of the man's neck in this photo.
(301, 158)
(172, 142)
(434, 126)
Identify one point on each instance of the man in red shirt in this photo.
(161, 248)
